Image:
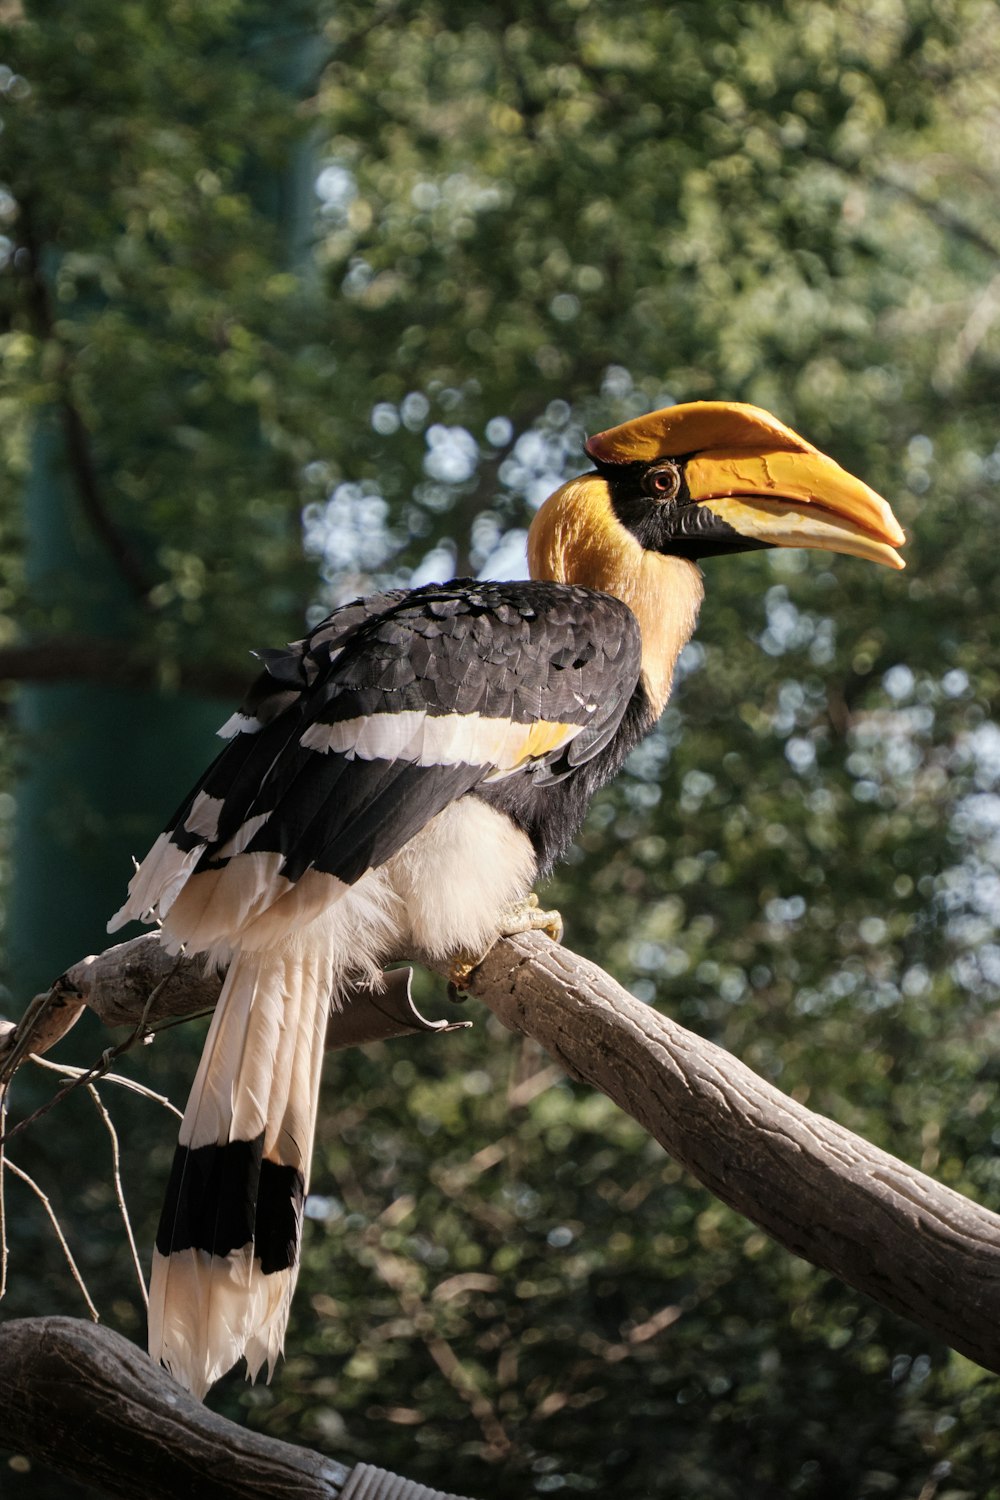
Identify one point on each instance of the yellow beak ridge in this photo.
(796, 499)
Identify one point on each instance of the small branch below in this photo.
(85, 1402)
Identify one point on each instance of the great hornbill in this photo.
(398, 780)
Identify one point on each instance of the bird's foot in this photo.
(523, 916)
(528, 916)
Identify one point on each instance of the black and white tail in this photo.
(227, 1248)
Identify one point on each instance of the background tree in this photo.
(532, 222)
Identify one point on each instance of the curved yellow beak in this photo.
(796, 500)
(759, 478)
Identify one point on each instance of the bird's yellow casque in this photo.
(743, 480)
(396, 782)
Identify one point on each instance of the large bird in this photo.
(396, 782)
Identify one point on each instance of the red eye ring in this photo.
(664, 483)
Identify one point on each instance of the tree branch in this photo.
(76, 658)
(906, 1241)
(940, 212)
(85, 1402)
(937, 210)
(913, 1245)
(139, 984)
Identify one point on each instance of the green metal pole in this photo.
(102, 766)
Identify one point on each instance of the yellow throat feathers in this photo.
(577, 538)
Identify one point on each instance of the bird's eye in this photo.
(664, 483)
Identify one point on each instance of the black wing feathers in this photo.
(354, 738)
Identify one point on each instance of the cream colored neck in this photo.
(664, 594)
(577, 538)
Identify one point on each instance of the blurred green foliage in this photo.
(533, 221)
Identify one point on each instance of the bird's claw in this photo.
(529, 916)
(524, 916)
(461, 969)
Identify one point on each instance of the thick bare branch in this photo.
(913, 1245)
(84, 1401)
(910, 1243)
(139, 981)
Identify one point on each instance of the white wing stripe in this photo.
(203, 817)
(429, 740)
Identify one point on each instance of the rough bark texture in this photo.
(82, 1398)
(137, 981)
(85, 1402)
(826, 1194)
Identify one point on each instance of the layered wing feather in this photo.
(353, 739)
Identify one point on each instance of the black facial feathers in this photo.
(653, 500)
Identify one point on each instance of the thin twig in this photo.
(103, 1064)
(87, 1075)
(74, 1268)
(133, 1086)
(172, 1021)
(116, 1164)
(97, 1070)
